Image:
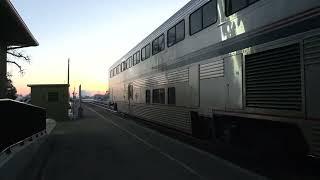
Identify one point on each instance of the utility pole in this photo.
(80, 101)
(68, 71)
(3, 70)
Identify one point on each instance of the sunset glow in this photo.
(92, 34)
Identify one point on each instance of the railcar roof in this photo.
(179, 15)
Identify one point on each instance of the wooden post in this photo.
(3, 70)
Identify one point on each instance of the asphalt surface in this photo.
(104, 146)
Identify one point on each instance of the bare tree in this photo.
(16, 56)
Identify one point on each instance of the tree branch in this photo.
(19, 55)
(15, 63)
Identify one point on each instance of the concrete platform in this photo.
(104, 146)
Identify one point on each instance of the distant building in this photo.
(53, 97)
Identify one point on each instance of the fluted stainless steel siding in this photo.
(172, 77)
(273, 79)
(212, 70)
(170, 116)
(312, 50)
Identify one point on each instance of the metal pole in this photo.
(68, 71)
(3, 70)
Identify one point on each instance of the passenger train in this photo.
(246, 70)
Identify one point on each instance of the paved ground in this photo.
(104, 146)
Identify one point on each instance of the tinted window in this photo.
(172, 95)
(134, 59)
(158, 44)
(171, 36)
(155, 46)
(161, 43)
(158, 96)
(176, 33)
(155, 96)
(148, 51)
(162, 96)
(143, 54)
(148, 96)
(196, 21)
(130, 62)
(180, 31)
(203, 17)
(233, 6)
(138, 57)
(209, 13)
(53, 96)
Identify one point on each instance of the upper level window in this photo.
(136, 58)
(158, 44)
(124, 65)
(233, 6)
(129, 62)
(145, 52)
(111, 73)
(203, 17)
(176, 33)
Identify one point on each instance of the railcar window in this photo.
(203, 17)
(130, 62)
(155, 96)
(145, 52)
(195, 21)
(148, 51)
(148, 96)
(155, 46)
(171, 35)
(176, 33)
(172, 95)
(233, 6)
(118, 68)
(158, 96)
(158, 44)
(134, 59)
(162, 96)
(138, 57)
(180, 31)
(209, 13)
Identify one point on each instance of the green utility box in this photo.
(54, 98)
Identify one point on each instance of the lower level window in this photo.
(158, 96)
(148, 95)
(171, 95)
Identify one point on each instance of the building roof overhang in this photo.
(14, 33)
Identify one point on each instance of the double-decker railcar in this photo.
(235, 68)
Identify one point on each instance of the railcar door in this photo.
(233, 75)
(130, 97)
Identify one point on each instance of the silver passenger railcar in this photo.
(232, 68)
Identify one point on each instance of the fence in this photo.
(18, 121)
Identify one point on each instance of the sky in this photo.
(92, 33)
